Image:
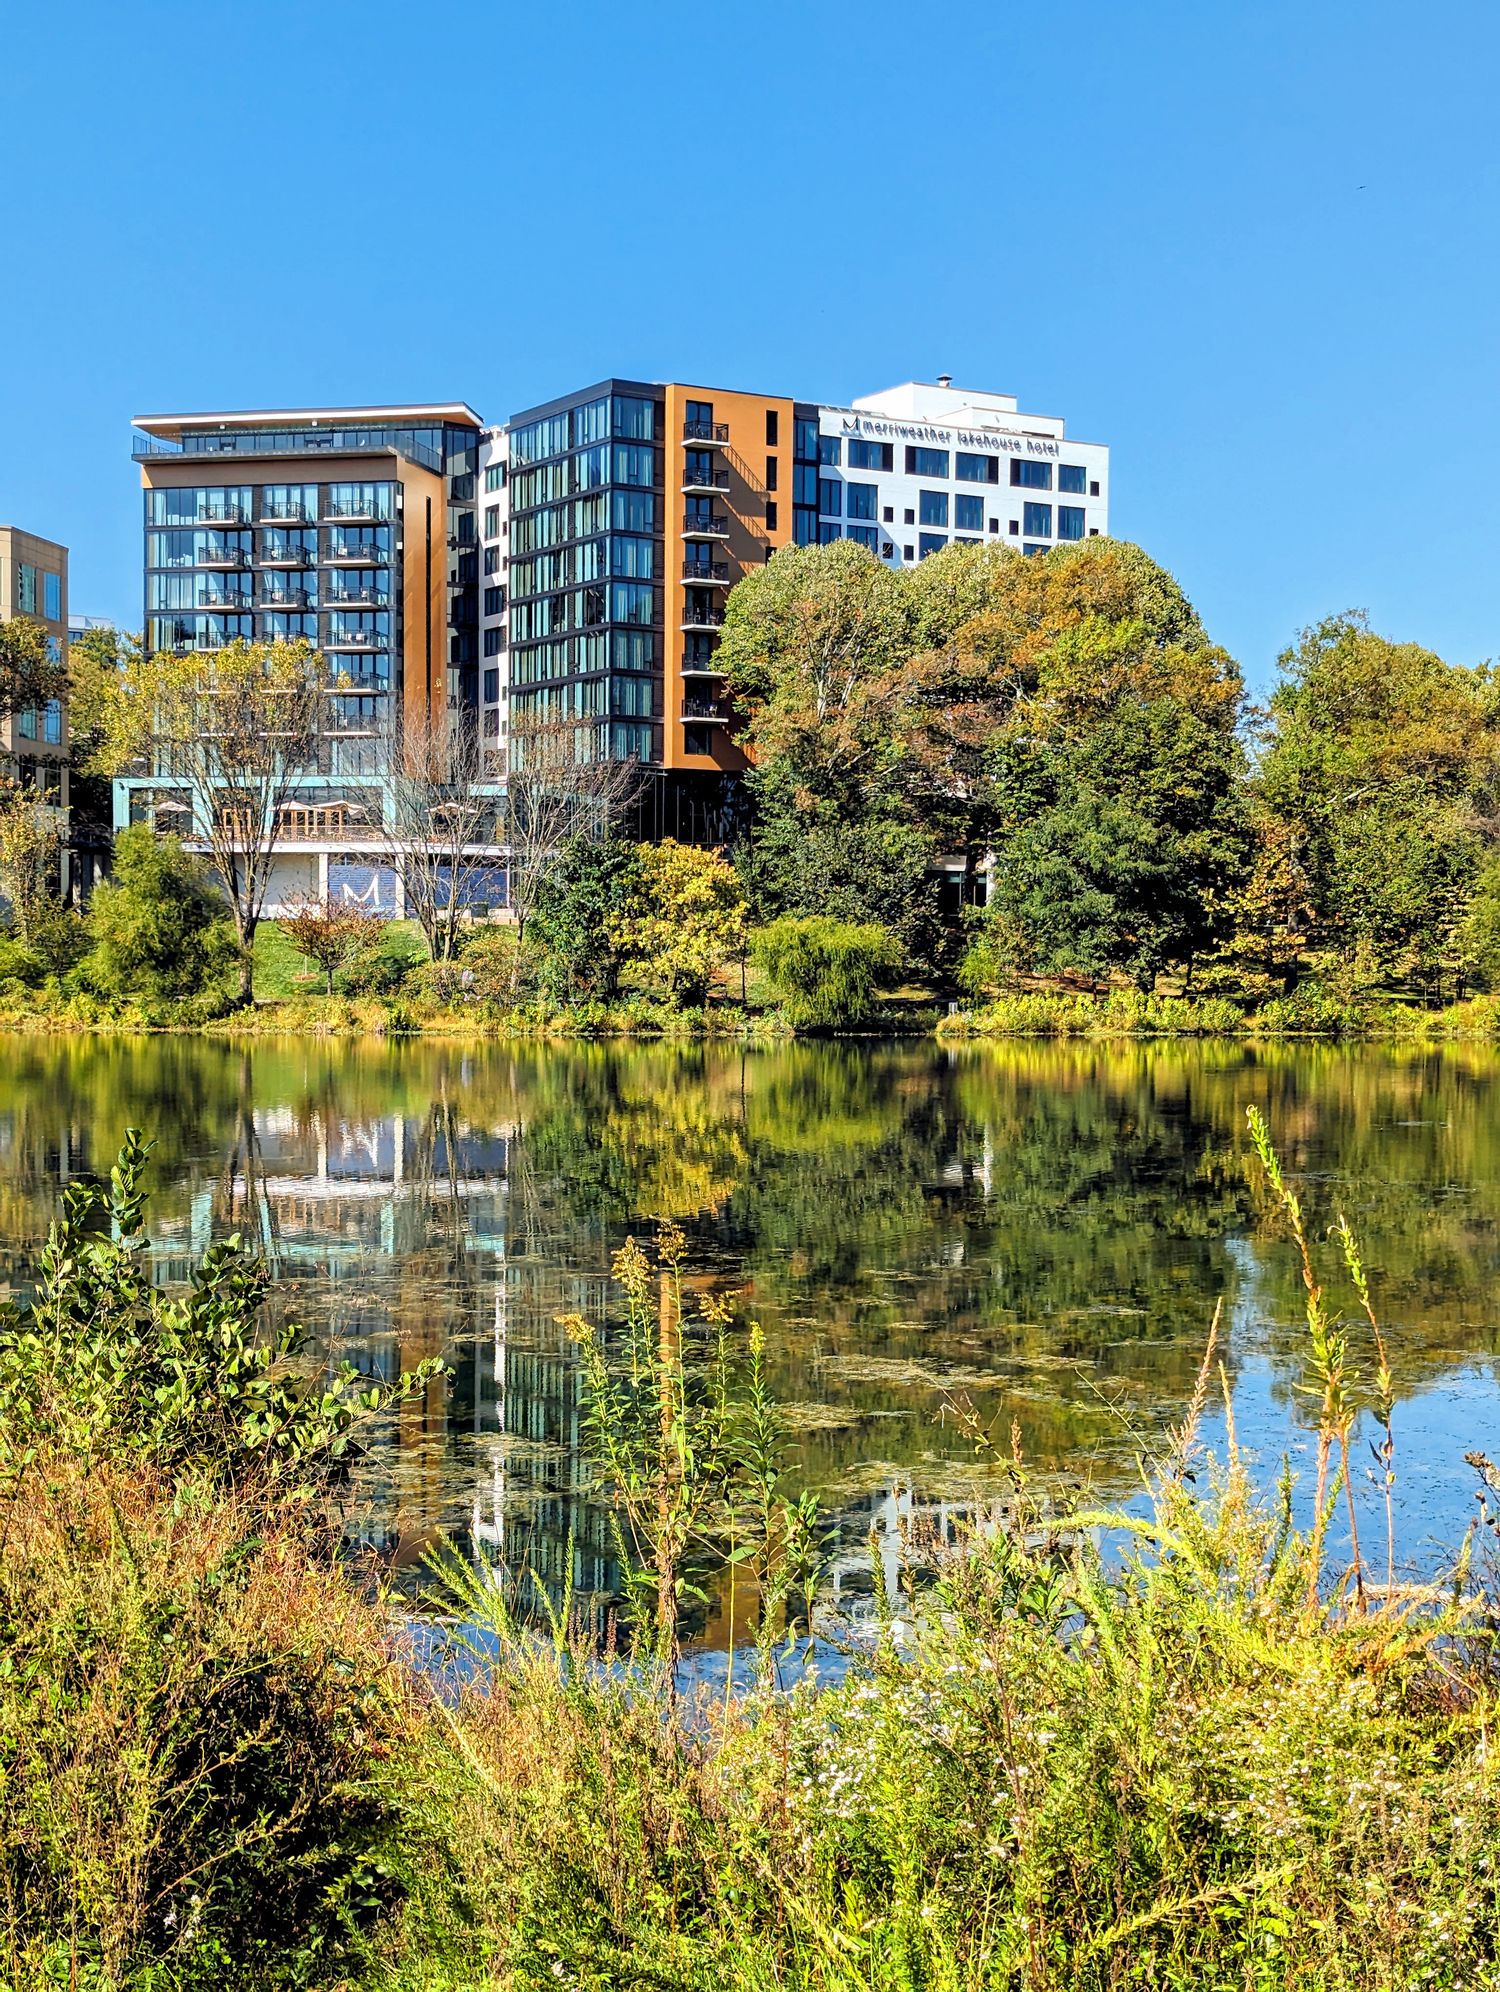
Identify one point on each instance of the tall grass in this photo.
(1195, 1743)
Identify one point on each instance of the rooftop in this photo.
(402, 414)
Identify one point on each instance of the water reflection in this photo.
(1042, 1228)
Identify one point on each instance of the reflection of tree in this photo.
(1043, 1226)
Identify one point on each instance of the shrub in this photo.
(158, 926)
(828, 972)
(500, 964)
(576, 921)
(384, 963)
(101, 1364)
(331, 935)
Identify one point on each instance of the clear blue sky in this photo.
(1253, 247)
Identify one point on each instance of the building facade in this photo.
(34, 743)
(352, 528)
(572, 563)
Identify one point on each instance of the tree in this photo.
(158, 923)
(331, 935)
(440, 832)
(30, 675)
(561, 787)
(578, 910)
(685, 918)
(236, 730)
(1382, 764)
(31, 841)
(829, 972)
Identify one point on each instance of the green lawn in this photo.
(281, 972)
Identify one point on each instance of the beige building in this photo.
(34, 583)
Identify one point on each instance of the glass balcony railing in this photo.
(289, 442)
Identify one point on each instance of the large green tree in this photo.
(1381, 764)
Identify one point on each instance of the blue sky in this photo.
(1253, 247)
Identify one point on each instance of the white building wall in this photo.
(954, 421)
(493, 505)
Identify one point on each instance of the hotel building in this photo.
(572, 562)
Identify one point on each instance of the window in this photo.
(930, 543)
(889, 515)
(870, 456)
(910, 516)
(492, 522)
(860, 500)
(491, 685)
(1036, 521)
(633, 417)
(1034, 476)
(830, 496)
(492, 724)
(635, 463)
(494, 476)
(804, 525)
(1093, 488)
(52, 597)
(933, 507)
(492, 560)
(805, 440)
(971, 469)
(26, 724)
(493, 597)
(632, 559)
(771, 436)
(1072, 477)
(1031, 547)
(921, 462)
(631, 602)
(494, 640)
(910, 552)
(968, 512)
(770, 515)
(25, 589)
(830, 450)
(1070, 522)
(828, 531)
(632, 511)
(804, 484)
(866, 535)
(994, 525)
(700, 411)
(1015, 528)
(770, 473)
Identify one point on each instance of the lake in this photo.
(1040, 1229)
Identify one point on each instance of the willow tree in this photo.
(234, 732)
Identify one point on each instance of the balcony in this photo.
(705, 480)
(354, 441)
(702, 615)
(354, 639)
(355, 598)
(701, 710)
(284, 598)
(222, 556)
(706, 573)
(362, 511)
(287, 556)
(222, 515)
(215, 598)
(705, 525)
(705, 432)
(286, 515)
(363, 553)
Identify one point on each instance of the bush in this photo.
(577, 914)
(828, 972)
(383, 964)
(158, 926)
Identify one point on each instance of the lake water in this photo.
(1043, 1229)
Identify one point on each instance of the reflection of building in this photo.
(34, 741)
